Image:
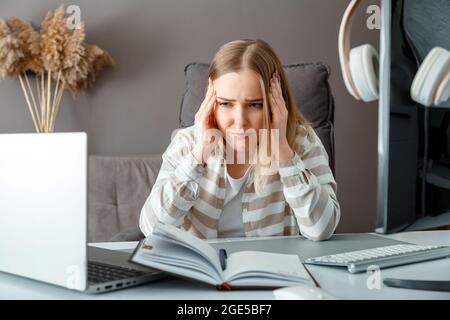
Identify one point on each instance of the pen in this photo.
(223, 258)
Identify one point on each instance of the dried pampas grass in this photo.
(58, 58)
(96, 60)
(74, 48)
(10, 52)
(29, 40)
(84, 74)
(55, 35)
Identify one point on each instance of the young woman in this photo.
(215, 181)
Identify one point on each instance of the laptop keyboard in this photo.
(100, 272)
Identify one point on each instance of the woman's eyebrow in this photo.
(247, 100)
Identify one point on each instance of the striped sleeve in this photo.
(176, 187)
(310, 189)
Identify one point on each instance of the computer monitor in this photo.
(413, 140)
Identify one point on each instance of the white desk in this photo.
(338, 282)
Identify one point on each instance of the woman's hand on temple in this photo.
(279, 118)
(204, 120)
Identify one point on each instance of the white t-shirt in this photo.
(230, 221)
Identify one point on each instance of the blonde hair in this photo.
(259, 57)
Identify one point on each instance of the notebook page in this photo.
(170, 251)
(261, 264)
(173, 258)
(196, 244)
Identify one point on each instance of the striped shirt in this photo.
(300, 197)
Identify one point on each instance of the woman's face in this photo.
(239, 107)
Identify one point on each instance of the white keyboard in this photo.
(382, 257)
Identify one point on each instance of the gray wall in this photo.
(133, 108)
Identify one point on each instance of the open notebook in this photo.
(179, 253)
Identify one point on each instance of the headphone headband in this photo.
(344, 47)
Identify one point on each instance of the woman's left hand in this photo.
(279, 117)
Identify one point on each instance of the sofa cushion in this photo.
(118, 188)
(310, 87)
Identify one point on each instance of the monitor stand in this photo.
(430, 222)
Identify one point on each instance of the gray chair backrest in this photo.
(310, 87)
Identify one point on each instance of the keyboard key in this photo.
(98, 272)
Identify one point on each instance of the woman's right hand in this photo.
(204, 120)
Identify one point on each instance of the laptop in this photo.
(43, 217)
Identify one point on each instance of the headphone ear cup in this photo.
(443, 91)
(364, 66)
(428, 86)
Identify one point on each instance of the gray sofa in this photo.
(117, 189)
(119, 186)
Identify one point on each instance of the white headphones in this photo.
(359, 66)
